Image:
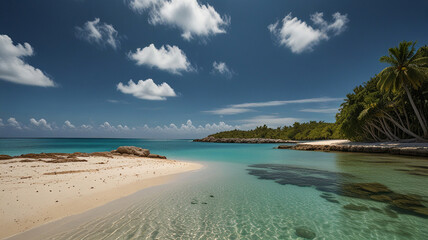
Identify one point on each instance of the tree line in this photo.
(391, 106)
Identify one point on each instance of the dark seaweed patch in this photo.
(341, 184)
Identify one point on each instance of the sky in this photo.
(189, 68)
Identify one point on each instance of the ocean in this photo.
(252, 191)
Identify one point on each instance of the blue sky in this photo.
(188, 68)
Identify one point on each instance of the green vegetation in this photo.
(298, 131)
(391, 106)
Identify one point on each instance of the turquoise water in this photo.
(249, 192)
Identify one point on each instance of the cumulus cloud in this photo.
(14, 69)
(87, 127)
(269, 120)
(12, 122)
(191, 17)
(172, 130)
(222, 68)
(298, 36)
(123, 127)
(147, 90)
(319, 110)
(107, 126)
(246, 107)
(99, 33)
(189, 128)
(169, 58)
(1, 122)
(68, 124)
(42, 123)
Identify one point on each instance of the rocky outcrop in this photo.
(132, 150)
(136, 151)
(243, 140)
(73, 157)
(156, 156)
(5, 157)
(421, 151)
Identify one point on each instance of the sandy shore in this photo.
(410, 149)
(34, 191)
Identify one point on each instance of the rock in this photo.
(305, 233)
(354, 207)
(101, 154)
(156, 156)
(285, 147)
(390, 213)
(363, 147)
(140, 152)
(5, 157)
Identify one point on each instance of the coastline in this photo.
(243, 140)
(396, 148)
(35, 191)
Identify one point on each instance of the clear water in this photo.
(244, 206)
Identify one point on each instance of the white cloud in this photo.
(87, 127)
(188, 128)
(14, 69)
(147, 89)
(320, 110)
(299, 36)
(68, 124)
(229, 111)
(269, 120)
(245, 107)
(123, 128)
(279, 103)
(222, 68)
(1, 122)
(171, 58)
(172, 130)
(107, 126)
(140, 5)
(192, 18)
(42, 123)
(12, 122)
(99, 33)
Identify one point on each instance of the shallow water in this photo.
(300, 193)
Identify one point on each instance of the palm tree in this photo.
(408, 70)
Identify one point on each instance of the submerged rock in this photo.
(341, 184)
(305, 233)
(354, 207)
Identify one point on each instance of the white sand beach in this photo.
(34, 191)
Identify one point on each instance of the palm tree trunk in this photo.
(421, 122)
(389, 130)
(402, 127)
(407, 117)
(379, 129)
